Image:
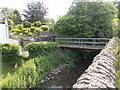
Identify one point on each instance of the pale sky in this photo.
(55, 7)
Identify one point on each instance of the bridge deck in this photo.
(83, 43)
(88, 47)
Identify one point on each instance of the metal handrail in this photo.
(92, 41)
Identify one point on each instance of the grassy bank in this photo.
(31, 72)
(6, 68)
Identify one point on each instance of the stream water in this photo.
(67, 77)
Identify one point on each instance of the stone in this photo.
(102, 72)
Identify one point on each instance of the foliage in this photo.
(44, 28)
(10, 27)
(15, 16)
(10, 53)
(6, 11)
(10, 22)
(25, 77)
(12, 14)
(35, 11)
(32, 29)
(26, 24)
(6, 67)
(88, 19)
(37, 49)
(33, 71)
(118, 71)
(48, 20)
(37, 24)
(23, 31)
(20, 27)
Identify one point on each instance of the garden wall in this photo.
(102, 72)
(25, 40)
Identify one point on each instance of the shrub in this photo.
(16, 31)
(26, 24)
(36, 49)
(13, 30)
(37, 24)
(11, 53)
(44, 28)
(25, 31)
(10, 22)
(44, 23)
(20, 34)
(32, 29)
(10, 27)
(20, 27)
(29, 34)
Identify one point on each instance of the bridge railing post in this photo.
(93, 42)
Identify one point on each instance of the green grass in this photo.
(7, 68)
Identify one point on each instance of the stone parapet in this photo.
(102, 72)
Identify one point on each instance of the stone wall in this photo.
(102, 72)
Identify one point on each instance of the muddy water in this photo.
(67, 77)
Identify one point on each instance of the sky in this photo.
(55, 7)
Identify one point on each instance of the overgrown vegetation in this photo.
(31, 72)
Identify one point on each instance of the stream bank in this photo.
(67, 77)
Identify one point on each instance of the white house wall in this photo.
(4, 35)
(3, 31)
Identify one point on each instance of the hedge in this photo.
(11, 53)
(37, 49)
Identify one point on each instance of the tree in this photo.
(119, 19)
(12, 14)
(88, 19)
(49, 20)
(35, 11)
(6, 11)
(15, 16)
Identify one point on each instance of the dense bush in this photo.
(37, 24)
(27, 24)
(44, 28)
(10, 27)
(24, 32)
(20, 27)
(88, 19)
(37, 49)
(10, 53)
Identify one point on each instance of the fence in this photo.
(83, 41)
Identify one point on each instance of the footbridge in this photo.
(83, 43)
